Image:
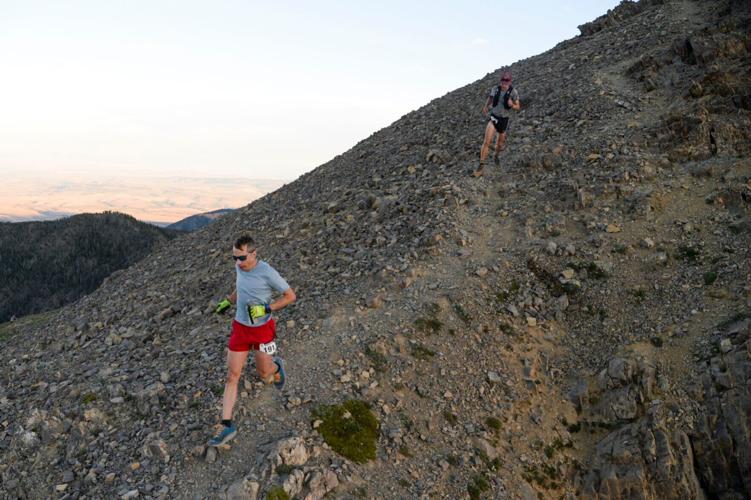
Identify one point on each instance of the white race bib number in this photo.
(269, 348)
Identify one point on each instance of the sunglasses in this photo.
(242, 258)
(505, 80)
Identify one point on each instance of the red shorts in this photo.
(247, 338)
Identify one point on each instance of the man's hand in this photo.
(485, 111)
(222, 306)
(259, 311)
(510, 103)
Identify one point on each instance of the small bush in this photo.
(88, 398)
(284, 469)
(493, 423)
(710, 277)
(277, 493)
(477, 485)
(686, 252)
(462, 314)
(380, 363)
(428, 325)
(421, 352)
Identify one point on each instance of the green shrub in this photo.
(428, 325)
(477, 485)
(710, 277)
(350, 429)
(277, 493)
(493, 423)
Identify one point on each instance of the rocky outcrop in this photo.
(645, 459)
(722, 436)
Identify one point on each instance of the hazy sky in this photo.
(241, 89)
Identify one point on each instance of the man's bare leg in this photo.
(266, 367)
(500, 145)
(235, 364)
(489, 132)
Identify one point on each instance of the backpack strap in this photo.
(506, 97)
(497, 95)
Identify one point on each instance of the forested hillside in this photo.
(44, 265)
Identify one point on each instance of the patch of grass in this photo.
(574, 428)
(639, 294)
(506, 328)
(360, 492)
(462, 314)
(453, 459)
(556, 446)
(216, 389)
(277, 493)
(404, 450)
(432, 309)
(620, 249)
(428, 325)
(688, 253)
(88, 398)
(350, 429)
(710, 277)
(450, 417)
(494, 465)
(477, 486)
(507, 293)
(380, 363)
(421, 352)
(404, 483)
(284, 469)
(595, 271)
(493, 423)
(656, 341)
(548, 278)
(539, 477)
(8, 329)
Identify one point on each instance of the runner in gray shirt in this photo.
(253, 328)
(502, 99)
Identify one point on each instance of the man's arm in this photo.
(233, 297)
(515, 104)
(487, 105)
(286, 299)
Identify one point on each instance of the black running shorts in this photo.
(500, 123)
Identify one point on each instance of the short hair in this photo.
(243, 240)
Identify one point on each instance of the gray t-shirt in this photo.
(500, 110)
(256, 287)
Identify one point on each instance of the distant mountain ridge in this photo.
(47, 264)
(198, 221)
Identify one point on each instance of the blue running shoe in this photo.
(282, 376)
(224, 436)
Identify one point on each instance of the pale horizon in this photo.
(251, 91)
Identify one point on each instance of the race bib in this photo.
(269, 348)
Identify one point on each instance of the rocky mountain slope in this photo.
(575, 323)
(45, 265)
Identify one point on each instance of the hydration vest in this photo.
(506, 96)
